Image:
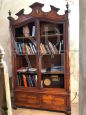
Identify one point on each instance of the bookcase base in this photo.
(42, 100)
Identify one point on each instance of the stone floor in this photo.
(22, 111)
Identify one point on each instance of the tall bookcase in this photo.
(40, 59)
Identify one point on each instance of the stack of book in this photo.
(27, 70)
(56, 68)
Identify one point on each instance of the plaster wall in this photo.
(82, 58)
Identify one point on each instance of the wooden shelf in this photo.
(53, 72)
(22, 37)
(52, 54)
(25, 54)
(52, 35)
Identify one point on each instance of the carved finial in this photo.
(67, 6)
(9, 13)
(10, 17)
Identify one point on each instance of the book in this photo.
(44, 50)
(22, 70)
(56, 50)
(41, 49)
(19, 79)
(25, 81)
(34, 48)
(18, 48)
(23, 48)
(47, 48)
(33, 31)
(51, 47)
(60, 47)
(30, 44)
(30, 81)
(33, 79)
(27, 49)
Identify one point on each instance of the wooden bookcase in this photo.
(40, 59)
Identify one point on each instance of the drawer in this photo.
(46, 99)
(53, 102)
(27, 98)
(58, 101)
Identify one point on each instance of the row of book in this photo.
(30, 48)
(51, 48)
(26, 80)
(24, 48)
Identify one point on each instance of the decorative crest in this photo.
(20, 12)
(54, 8)
(36, 4)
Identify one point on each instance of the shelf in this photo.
(53, 72)
(52, 54)
(52, 35)
(30, 38)
(25, 54)
(27, 72)
(22, 37)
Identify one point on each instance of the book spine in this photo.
(28, 80)
(51, 47)
(25, 81)
(23, 48)
(27, 50)
(47, 48)
(33, 80)
(44, 50)
(31, 83)
(31, 48)
(18, 80)
(34, 48)
(60, 47)
(41, 48)
(56, 51)
(33, 31)
(20, 48)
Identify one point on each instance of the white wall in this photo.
(16, 5)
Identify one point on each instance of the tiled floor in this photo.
(20, 111)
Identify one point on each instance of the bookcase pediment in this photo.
(37, 12)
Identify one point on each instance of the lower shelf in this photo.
(41, 101)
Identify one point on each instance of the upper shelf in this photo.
(50, 35)
(38, 13)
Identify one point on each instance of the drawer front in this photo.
(53, 102)
(27, 98)
(59, 101)
(47, 99)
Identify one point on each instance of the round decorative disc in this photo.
(47, 82)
